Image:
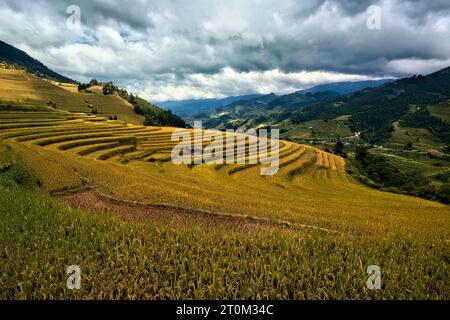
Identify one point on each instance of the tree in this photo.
(83, 86)
(138, 110)
(132, 100)
(361, 154)
(106, 91)
(339, 149)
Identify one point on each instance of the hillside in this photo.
(263, 111)
(25, 80)
(346, 87)
(21, 87)
(278, 110)
(12, 55)
(121, 199)
(69, 152)
(374, 111)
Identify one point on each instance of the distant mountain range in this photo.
(200, 107)
(262, 110)
(271, 108)
(194, 106)
(421, 102)
(12, 55)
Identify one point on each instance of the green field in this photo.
(441, 111)
(318, 129)
(420, 138)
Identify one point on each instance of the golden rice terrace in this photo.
(69, 152)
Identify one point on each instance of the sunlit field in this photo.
(133, 163)
(314, 229)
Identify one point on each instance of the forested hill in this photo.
(373, 111)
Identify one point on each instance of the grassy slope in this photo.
(127, 260)
(441, 110)
(421, 138)
(21, 87)
(320, 129)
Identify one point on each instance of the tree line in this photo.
(154, 116)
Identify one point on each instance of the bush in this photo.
(339, 149)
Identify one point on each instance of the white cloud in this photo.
(417, 66)
(110, 38)
(231, 82)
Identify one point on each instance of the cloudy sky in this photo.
(205, 48)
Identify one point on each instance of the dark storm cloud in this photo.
(211, 47)
(131, 13)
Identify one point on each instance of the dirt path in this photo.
(93, 201)
(181, 217)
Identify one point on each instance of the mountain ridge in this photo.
(347, 86)
(12, 55)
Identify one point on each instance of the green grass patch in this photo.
(13, 172)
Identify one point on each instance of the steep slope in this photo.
(24, 80)
(12, 55)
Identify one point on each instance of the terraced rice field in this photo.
(72, 151)
(22, 87)
(203, 231)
